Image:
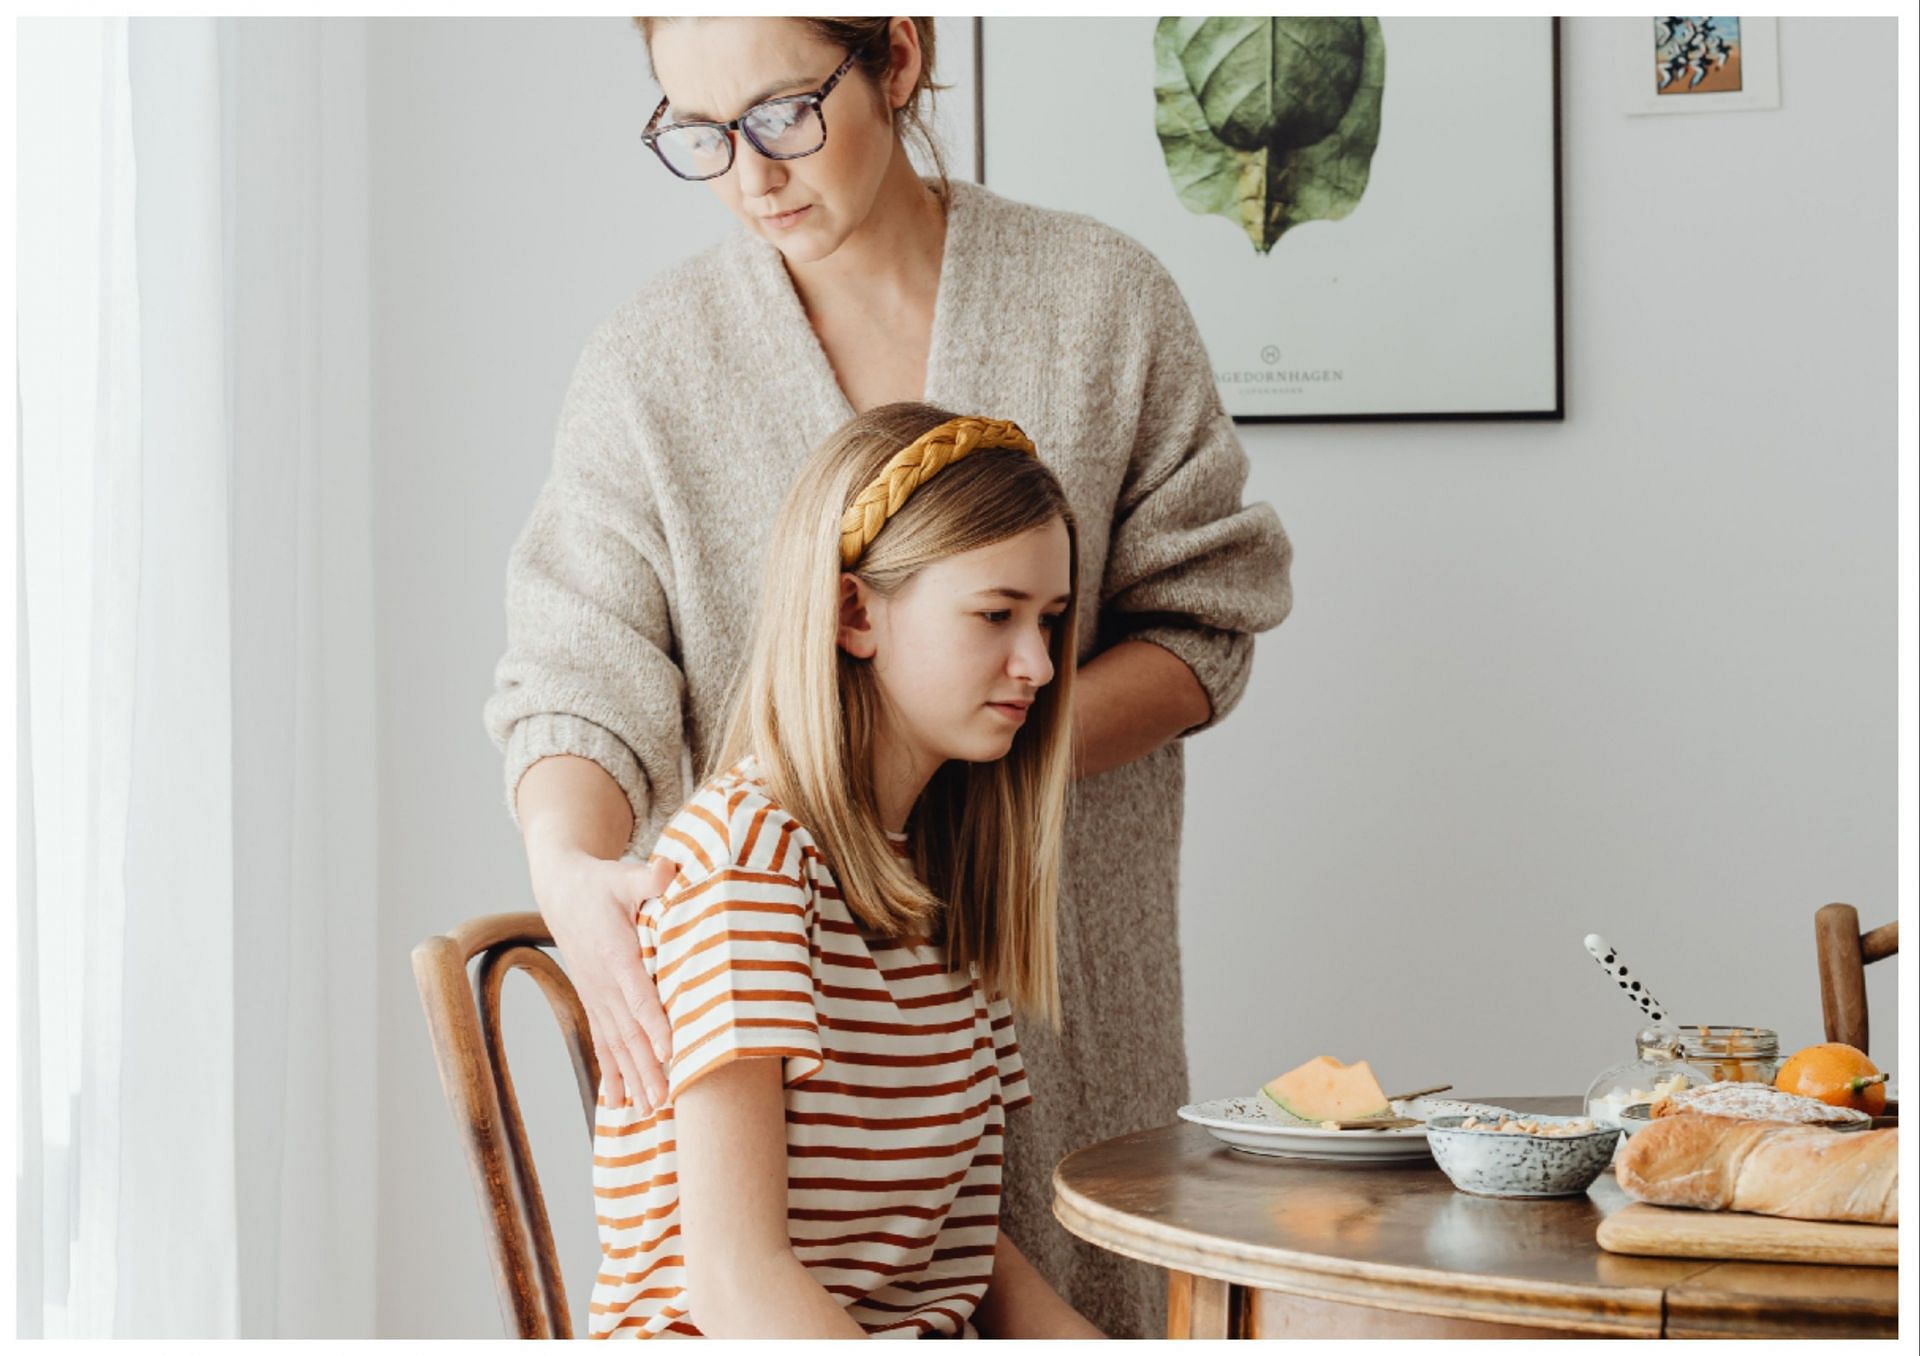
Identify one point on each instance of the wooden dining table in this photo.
(1272, 1247)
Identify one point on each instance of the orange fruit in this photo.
(1836, 1074)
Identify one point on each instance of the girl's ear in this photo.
(856, 636)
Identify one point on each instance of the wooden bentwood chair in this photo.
(463, 1018)
(1845, 953)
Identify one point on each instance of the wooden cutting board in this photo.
(1661, 1231)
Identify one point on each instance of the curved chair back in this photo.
(463, 1018)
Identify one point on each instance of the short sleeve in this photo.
(1014, 1089)
(731, 949)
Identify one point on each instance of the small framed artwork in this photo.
(1698, 65)
(1363, 214)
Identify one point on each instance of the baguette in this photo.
(1756, 1102)
(1794, 1171)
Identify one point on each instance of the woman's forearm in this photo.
(575, 823)
(1128, 701)
(571, 804)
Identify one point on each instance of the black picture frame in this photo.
(1556, 411)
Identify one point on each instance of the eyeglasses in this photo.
(780, 129)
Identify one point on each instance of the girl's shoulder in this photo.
(733, 824)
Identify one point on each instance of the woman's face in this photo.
(716, 69)
(961, 650)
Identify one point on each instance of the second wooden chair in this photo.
(1845, 953)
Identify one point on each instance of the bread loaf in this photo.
(1795, 1171)
(1757, 1102)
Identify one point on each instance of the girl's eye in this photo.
(1049, 620)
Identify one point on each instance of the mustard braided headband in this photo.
(911, 467)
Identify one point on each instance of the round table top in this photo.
(1400, 1236)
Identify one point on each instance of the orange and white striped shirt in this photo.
(898, 1073)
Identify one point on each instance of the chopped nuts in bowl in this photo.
(1532, 1125)
(1521, 1156)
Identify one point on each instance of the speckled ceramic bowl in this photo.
(1492, 1163)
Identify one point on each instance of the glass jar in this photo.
(1732, 1054)
(1661, 1068)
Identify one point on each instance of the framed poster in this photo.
(1362, 214)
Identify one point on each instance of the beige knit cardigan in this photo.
(631, 590)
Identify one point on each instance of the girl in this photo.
(867, 877)
(850, 282)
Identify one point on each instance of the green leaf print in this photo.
(1268, 122)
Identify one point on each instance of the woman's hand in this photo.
(591, 906)
(576, 823)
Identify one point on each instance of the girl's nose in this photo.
(1030, 662)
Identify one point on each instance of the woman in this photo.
(855, 283)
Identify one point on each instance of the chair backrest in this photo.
(463, 1018)
(1845, 953)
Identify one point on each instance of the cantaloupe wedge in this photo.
(1324, 1089)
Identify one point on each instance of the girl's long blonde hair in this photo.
(986, 838)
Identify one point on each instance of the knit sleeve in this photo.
(590, 667)
(1190, 567)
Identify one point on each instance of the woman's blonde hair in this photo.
(985, 838)
(912, 121)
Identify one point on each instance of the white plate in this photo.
(1254, 1125)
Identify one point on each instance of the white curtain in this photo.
(196, 760)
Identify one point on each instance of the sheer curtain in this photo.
(196, 732)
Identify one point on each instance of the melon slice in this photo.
(1324, 1089)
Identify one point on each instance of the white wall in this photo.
(1632, 673)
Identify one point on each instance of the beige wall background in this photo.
(1633, 673)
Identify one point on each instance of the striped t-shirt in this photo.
(898, 1078)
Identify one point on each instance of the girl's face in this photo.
(716, 69)
(961, 650)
